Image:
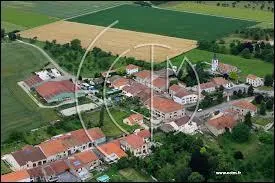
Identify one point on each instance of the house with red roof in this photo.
(133, 89)
(131, 69)
(32, 82)
(135, 144)
(111, 151)
(243, 107)
(160, 84)
(220, 81)
(134, 119)
(57, 91)
(181, 95)
(18, 176)
(218, 124)
(255, 81)
(120, 83)
(165, 109)
(144, 77)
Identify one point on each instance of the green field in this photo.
(18, 111)
(60, 9)
(165, 22)
(247, 66)
(213, 9)
(23, 18)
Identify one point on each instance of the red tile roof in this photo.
(86, 156)
(182, 93)
(225, 68)
(251, 76)
(59, 166)
(110, 148)
(145, 74)
(52, 147)
(134, 141)
(15, 176)
(226, 120)
(132, 67)
(220, 81)
(174, 88)
(164, 105)
(121, 82)
(144, 134)
(134, 118)
(50, 89)
(207, 85)
(33, 80)
(244, 104)
(181, 121)
(134, 88)
(159, 83)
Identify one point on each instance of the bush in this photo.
(238, 155)
(240, 133)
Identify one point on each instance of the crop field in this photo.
(247, 66)
(116, 41)
(213, 9)
(18, 111)
(60, 9)
(165, 22)
(23, 18)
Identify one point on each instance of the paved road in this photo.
(221, 107)
(83, 107)
(244, 86)
(65, 73)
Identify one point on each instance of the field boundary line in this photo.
(168, 9)
(91, 12)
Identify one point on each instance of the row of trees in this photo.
(256, 33)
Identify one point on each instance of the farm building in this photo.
(56, 91)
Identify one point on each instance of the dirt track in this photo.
(114, 40)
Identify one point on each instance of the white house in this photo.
(255, 81)
(181, 95)
(131, 69)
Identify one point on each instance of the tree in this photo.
(234, 76)
(240, 133)
(238, 155)
(250, 90)
(263, 108)
(247, 119)
(269, 104)
(195, 177)
(268, 80)
(259, 98)
(76, 44)
(2, 33)
(80, 77)
(246, 53)
(12, 36)
(220, 97)
(101, 117)
(240, 93)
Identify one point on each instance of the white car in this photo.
(199, 110)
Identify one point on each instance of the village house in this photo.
(181, 95)
(243, 107)
(184, 125)
(165, 109)
(135, 144)
(160, 84)
(134, 119)
(131, 69)
(31, 82)
(219, 123)
(255, 81)
(58, 91)
(220, 81)
(145, 134)
(26, 158)
(221, 67)
(144, 77)
(111, 151)
(18, 176)
(207, 87)
(133, 89)
(120, 83)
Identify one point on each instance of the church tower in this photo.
(215, 63)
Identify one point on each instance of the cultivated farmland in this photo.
(165, 22)
(18, 111)
(114, 40)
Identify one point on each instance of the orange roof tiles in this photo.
(226, 120)
(145, 74)
(219, 81)
(121, 82)
(226, 67)
(17, 176)
(182, 93)
(244, 104)
(59, 166)
(133, 118)
(52, 147)
(251, 76)
(132, 67)
(134, 141)
(50, 89)
(159, 83)
(174, 88)
(144, 133)
(33, 80)
(110, 148)
(86, 156)
(207, 85)
(164, 105)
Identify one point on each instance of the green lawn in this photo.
(212, 9)
(247, 66)
(60, 9)
(11, 27)
(18, 111)
(165, 22)
(109, 127)
(4, 168)
(266, 88)
(23, 18)
(132, 175)
(261, 120)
